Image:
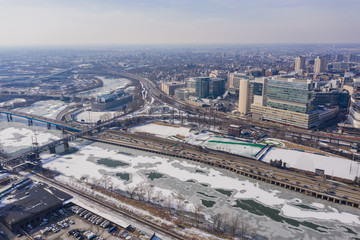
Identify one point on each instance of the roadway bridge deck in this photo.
(32, 117)
(31, 154)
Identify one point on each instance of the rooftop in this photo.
(25, 203)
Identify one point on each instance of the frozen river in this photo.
(270, 211)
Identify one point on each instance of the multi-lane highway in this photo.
(231, 118)
(297, 181)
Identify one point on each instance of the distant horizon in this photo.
(160, 22)
(200, 45)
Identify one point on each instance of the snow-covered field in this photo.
(163, 131)
(333, 166)
(206, 139)
(12, 102)
(49, 108)
(92, 117)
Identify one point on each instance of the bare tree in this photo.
(158, 198)
(149, 190)
(105, 180)
(225, 222)
(140, 191)
(179, 201)
(217, 220)
(169, 203)
(95, 181)
(85, 177)
(197, 214)
(244, 228)
(131, 191)
(234, 223)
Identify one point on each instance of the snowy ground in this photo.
(11, 102)
(274, 142)
(198, 182)
(206, 139)
(110, 84)
(17, 136)
(163, 131)
(49, 108)
(333, 166)
(271, 211)
(92, 117)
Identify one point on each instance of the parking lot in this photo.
(74, 222)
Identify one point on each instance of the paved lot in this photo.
(73, 221)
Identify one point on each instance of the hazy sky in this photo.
(73, 22)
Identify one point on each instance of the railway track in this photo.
(166, 232)
(237, 163)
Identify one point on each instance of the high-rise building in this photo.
(234, 81)
(217, 87)
(352, 124)
(202, 87)
(352, 58)
(260, 91)
(289, 101)
(182, 93)
(339, 58)
(300, 63)
(320, 65)
(191, 83)
(244, 96)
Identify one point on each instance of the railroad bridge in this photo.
(34, 153)
(31, 118)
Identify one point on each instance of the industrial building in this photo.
(31, 205)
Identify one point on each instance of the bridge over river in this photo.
(32, 154)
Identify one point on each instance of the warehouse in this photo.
(30, 205)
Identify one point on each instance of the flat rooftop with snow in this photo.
(30, 205)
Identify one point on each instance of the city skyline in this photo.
(48, 23)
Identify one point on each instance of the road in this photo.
(262, 171)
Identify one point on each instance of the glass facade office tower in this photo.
(202, 87)
(288, 101)
(292, 96)
(217, 87)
